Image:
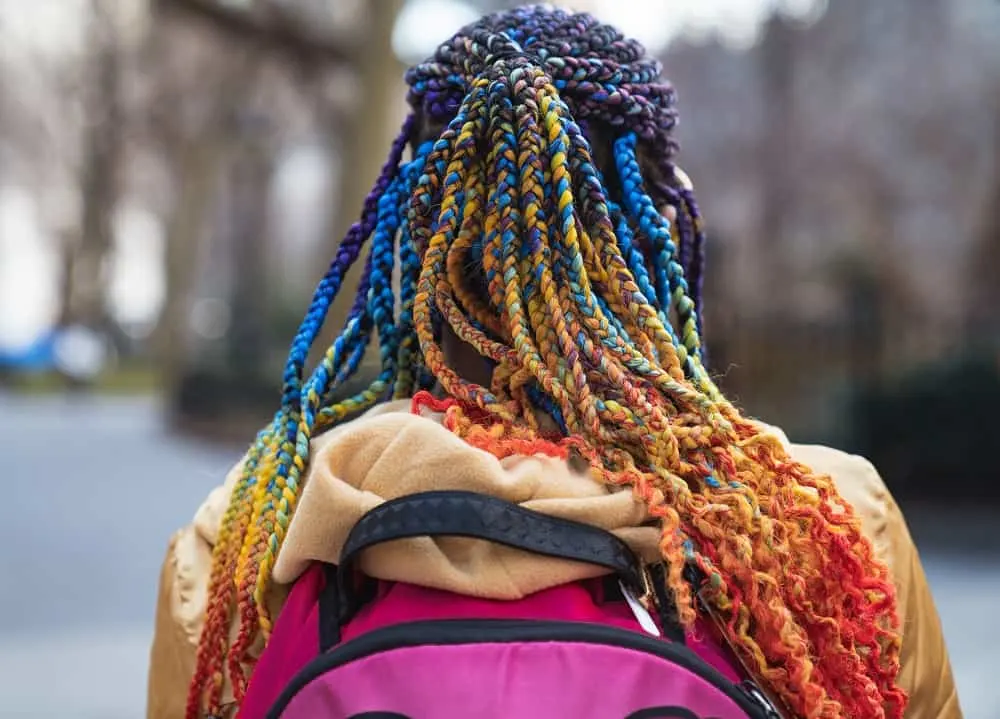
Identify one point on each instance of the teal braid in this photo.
(596, 207)
(407, 362)
(672, 286)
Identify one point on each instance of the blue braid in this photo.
(409, 262)
(330, 283)
(359, 344)
(671, 283)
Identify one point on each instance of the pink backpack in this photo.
(347, 647)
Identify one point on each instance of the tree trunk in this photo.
(777, 74)
(83, 300)
(250, 182)
(198, 162)
(364, 144)
(985, 256)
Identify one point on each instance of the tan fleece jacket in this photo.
(390, 453)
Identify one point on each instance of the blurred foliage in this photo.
(930, 431)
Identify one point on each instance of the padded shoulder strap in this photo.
(467, 514)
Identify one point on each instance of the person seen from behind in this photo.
(542, 344)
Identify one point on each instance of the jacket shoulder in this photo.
(925, 669)
(856, 480)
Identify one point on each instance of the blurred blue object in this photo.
(39, 356)
(75, 352)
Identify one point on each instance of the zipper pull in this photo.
(640, 612)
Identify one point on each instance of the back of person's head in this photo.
(540, 220)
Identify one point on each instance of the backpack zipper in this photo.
(472, 631)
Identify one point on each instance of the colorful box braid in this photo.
(590, 309)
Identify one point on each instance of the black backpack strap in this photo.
(468, 514)
(329, 609)
(479, 516)
(465, 514)
(666, 605)
(331, 605)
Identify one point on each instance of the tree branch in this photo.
(271, 27)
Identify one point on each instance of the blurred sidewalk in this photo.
(95, 487)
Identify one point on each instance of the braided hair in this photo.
(587, 305)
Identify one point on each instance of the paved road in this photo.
(92, 489)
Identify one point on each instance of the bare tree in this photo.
(193, 86)
(777, 57)
(984, 270)
(272, 26)
(363, 140)
(223, 104)
(251, 168)
(83, 296)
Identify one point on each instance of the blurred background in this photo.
(175, 173)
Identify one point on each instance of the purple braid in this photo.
(347, 254)
(696, 268)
